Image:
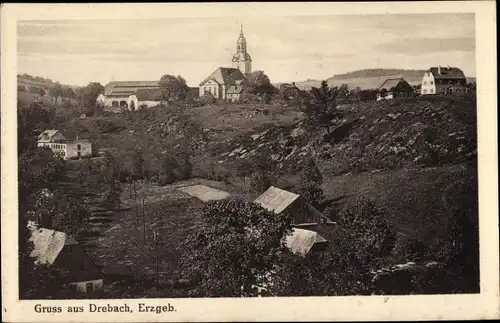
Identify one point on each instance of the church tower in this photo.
(242, 60)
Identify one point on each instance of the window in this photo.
(78, 147)
(425, 82)
(79, 154)
(432, 82)
(425, 91)
(431, 91)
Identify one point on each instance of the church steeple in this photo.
(241, 59)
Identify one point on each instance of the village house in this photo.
(228, 82)
(443, 80)
(116, 96)
(394, 88)
(302, 241)
(62, 252)
(62, 147)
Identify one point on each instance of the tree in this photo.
(366, 232)
(258, 83)
(173, 88)
(138, 164)
(311, 181)
(331, 273)
(68, 92)
(264, 172)
(56, 91)
(234, 249)
(320, 108)
(88, 97)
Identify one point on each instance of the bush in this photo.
(165, 179)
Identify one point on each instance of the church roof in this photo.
(225, 76)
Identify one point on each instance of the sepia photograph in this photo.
(245, 156)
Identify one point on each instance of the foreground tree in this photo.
(311, 181)
(234, 249)
(320, 107)
(111, 179)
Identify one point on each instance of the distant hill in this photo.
(369, 78)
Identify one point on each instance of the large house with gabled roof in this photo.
(443, 80)
(117, 94)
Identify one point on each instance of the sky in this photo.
(287, 49)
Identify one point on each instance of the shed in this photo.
(57, 249)
(278, 201)
(302, 241)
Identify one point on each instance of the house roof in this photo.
(47, 244)
(56, 248)
(225, 76)
(391, 83)
(447, 73)
(148, 94)
(48, 133)
(276, 199)
(235, 89)
(127, 87)
(301, 241)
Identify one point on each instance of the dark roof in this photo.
(396, 85)
(148, 94)
(225, 75)
(128, 87)
(447, 73)
(76, 265)
(235, 89)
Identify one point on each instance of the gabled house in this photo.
(302, 212)
(443, 80)
(219, 82)
(394, 88)
(63, 147)
(57, 249)
(289, 91)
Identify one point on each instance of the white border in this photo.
(480, 306)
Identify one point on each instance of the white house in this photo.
(57, 249)
(443, 80)
(62, 147)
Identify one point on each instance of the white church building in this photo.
(226, 82)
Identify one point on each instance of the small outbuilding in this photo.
(302, 241)
(278, 201)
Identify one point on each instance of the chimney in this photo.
(439, 69)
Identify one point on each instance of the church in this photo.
(227, 82)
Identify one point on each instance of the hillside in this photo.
(369, 78)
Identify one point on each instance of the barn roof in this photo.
(148, 94)
(301, 241)
(276, 199)
(225, 75)
(126, 88)
(391, 83)
(447, 73)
